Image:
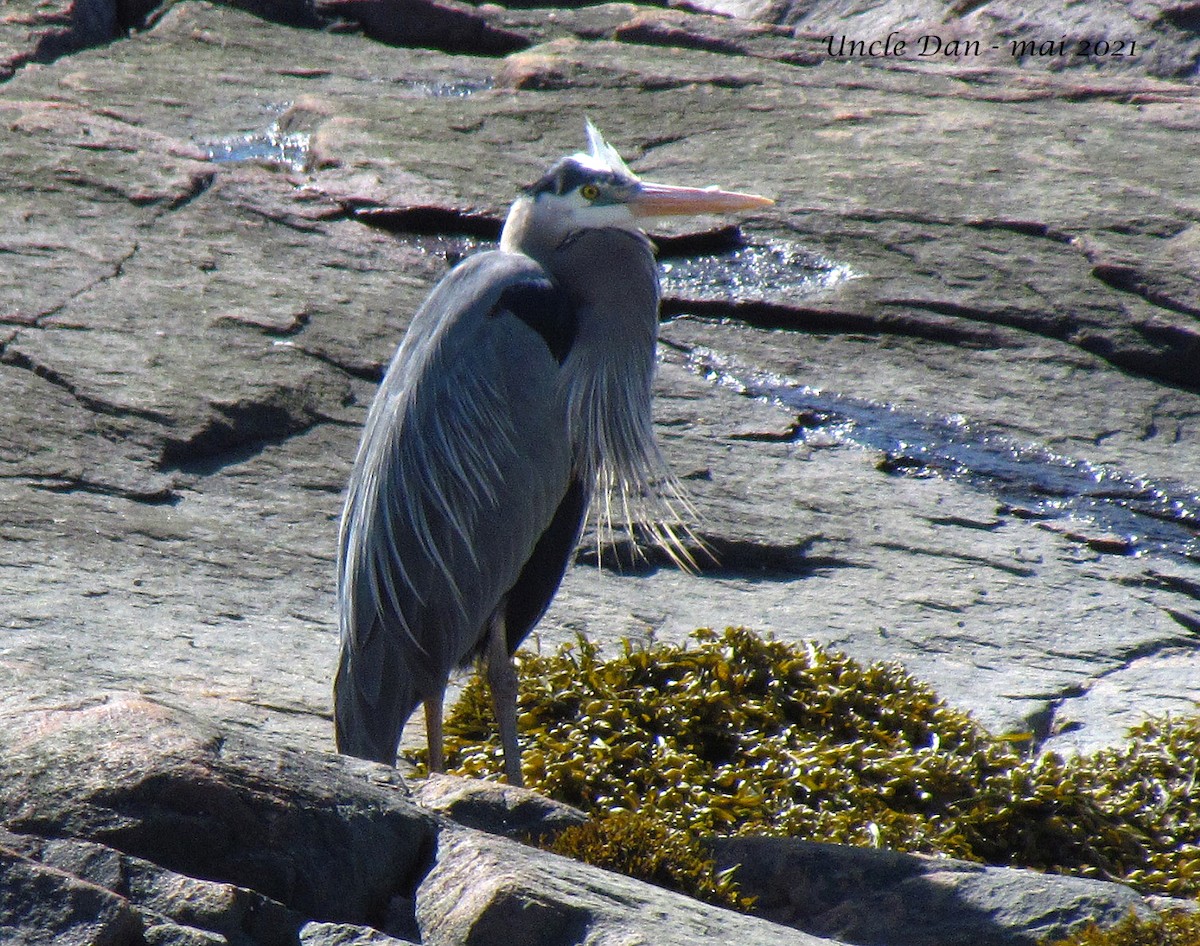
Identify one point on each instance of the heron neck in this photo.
(534, 234)
(516, 224)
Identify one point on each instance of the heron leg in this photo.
(502, 678)
(433, 734)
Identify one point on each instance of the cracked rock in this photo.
(126, 821)
(345, 934)
(482, 889)
(198, 341)
(41, 905)
(159, 786)
(124, 818)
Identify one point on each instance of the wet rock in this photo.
(306, 303)
(200, 503)
(863, 896)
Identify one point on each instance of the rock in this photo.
(41, 905)
(857, 895)
(166, 459)
(33, 31)
(1159, 38)
(168, 934)
(188, 346)
(145, 455)
(172, 906)
(343, 934)
(157, 785)
(483, 889)
(443, 24)
(511, 812)
(127, 821)
(114, 808)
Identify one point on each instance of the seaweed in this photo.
(639, 845)
(1170, 928)
(741, 734)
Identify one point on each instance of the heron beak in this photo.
(666, 200)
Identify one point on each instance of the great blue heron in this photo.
(520, 395)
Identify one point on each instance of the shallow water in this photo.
(279, 146)
(270, 145)
(737, 273)
(754, 270)
(1031, 481)
(450, 89)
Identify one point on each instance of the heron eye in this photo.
(589, 192)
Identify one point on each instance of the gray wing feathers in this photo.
(464, 460)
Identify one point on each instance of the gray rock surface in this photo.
(517, 813)
(187, 348)
(116, 805)
(142, 800)
(345, 934)
(38, 31)
(39, 904)
(1155, 37)
(197, 342)
(482, 889)
(911, 900)
(129, 822)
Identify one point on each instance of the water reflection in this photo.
(1031, 481)
(271, 145)
(753, 270)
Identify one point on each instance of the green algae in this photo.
(1171, 928)
(739, 734)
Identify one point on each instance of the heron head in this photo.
(596, 189)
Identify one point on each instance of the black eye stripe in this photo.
(567, 175)
(573, 176)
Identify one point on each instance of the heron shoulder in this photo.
(543, 307)
(496, 284)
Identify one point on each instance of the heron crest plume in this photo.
(600, 154)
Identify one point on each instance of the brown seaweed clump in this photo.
(1172, 928)
(740, 734)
